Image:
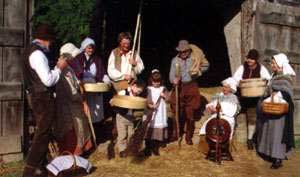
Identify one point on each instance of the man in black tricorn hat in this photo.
(39, 79)
(250, 69)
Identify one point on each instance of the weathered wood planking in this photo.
(280, 19)
(272, 28)
(279, 33)
(233, 40)
(12, 144)
(13, 19)
(1, 63)
(11, 37)
(10, 91)
(13, 64)
(15, 14)
(247, 27)
(1, 12)
(12, 124)
(277, 29)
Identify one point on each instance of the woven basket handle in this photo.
(272, 97)
(69, 153)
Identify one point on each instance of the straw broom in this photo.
(135, 142)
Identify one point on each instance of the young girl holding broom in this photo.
(157, 132)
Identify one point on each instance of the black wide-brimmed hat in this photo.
(43, 31)
(253, 54)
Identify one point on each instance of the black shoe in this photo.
(34, 172)
(147, 152)
(122, 154)
(277, 163)
(155, 151)
(250, 144)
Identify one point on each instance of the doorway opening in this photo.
(164, 23)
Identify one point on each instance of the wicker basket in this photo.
(275, 108)
(129, 102)
(253, 87)
(96, 87)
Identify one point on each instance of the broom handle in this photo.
(92, 128)
(89, 118)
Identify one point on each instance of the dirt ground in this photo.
(186, 161)
(189, 162)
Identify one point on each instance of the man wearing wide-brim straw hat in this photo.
(189, 96)
(39, 81)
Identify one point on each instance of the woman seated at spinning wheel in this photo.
(230, 105)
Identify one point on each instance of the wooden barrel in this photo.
(96, 87)
(253, 87)
(129, 102)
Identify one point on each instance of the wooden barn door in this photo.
(13, 20)
(272, 28)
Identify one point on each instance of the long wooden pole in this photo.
(136, 36)
(88, 114)
(177, 75)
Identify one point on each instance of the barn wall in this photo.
(13, 19)
(232, 32)
(272, 28)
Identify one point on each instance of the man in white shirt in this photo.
(250, 69)
(39, 79)
(122, 65)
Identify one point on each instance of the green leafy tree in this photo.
(70, 18)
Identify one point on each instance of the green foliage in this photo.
(12, 169)
(70, 18)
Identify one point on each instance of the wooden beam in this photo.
(10, 91)
(276, 18)
(294, 57)
(11, 37)
(10, 144)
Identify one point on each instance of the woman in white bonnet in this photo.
(89, 68)
(275, 134)
(230, 105)
(71, 128)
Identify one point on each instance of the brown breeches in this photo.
(189, 99)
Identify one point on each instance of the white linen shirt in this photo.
(117, 75)
(39, 63)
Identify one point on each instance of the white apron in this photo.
(159, 118)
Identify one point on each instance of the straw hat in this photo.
(183, 45)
